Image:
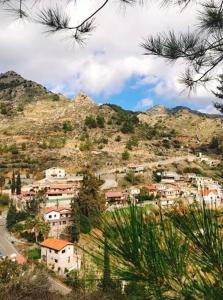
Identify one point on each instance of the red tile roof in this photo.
(55, 244)
(59, 209)
(113, 194)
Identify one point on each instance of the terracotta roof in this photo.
(20, 259)
(55, 244)
(114, 194)
(60, 186)
(59, 209)
(206, 192)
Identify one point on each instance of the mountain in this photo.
(52, 130)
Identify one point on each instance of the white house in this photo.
(210, 196)
(58, 218)
(59, 255)
(55, 173)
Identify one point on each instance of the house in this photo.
(169, 177)
(60, 194)
(210, 196)
(134, 191)
(59, 255)
(114, 197)
(136, 169)
(55, 173)
(58, 218)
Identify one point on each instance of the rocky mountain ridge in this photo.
(53, 130)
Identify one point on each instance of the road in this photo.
(149, 165)
(7, 248)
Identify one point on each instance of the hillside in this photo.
(52, 130)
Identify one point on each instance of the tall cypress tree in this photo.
(13, 184)
(75, 226)
(18, 184)
(11, 217)
(106, 280)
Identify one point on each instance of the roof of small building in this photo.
(20, 259)
(60, 186)
(112, 194)
(206, 192)
(56, 209)
(55, 244)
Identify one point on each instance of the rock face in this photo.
(159, 110)
(84, 105)
(14, 88)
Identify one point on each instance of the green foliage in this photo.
(100, 121)
(55, 97)
(214, 144)
(4, 200)
(75, 221)
(13, 149)
(5, 108)
(118, 138)
(133, 178)
(56, 142)
(127, 127)
(193, 170)
(18, 184)
(90, 199)
(67, 126)
(11, 217)
(13, 184)
(125, 155)
(133, 142)
(90, 122)
(86, 145)
(34, 253)
(176, 255)
(145, 196)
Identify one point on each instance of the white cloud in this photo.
(144, 104)
(209, 109)
(111, 56)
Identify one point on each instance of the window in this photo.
(64, 222)
(63, 251)
(69, 259)
(53, 223)
(56, 251)
(56, 260)
(55, 216)
(50, 216)
(50, 251)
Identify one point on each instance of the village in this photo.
(58, 188)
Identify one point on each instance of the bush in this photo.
(100, 121)
(67, 126)
(133, 142)
(34, 254)
(4, 199)
(90, 122)
(55, 97)
(127, 127)
(118, 138)
(125, 155)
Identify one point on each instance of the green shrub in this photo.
(125, 155)
(67, 126)
(4, 199)
(34, 254)
(55, 97)
(90, 122)
(100, 121)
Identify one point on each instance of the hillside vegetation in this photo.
(42, 129)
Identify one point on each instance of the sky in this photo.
(110, 67)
